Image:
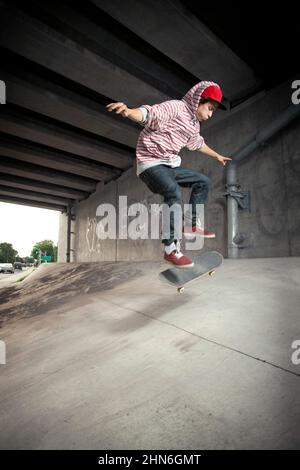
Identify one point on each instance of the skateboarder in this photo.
(168, 127)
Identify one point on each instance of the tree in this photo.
(47, 248)
(7, 253)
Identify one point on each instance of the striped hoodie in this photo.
(168, 127)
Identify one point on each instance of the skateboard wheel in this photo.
(180, 290)
(211, 273)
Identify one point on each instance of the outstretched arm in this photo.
(154, 117)
(211, 153)
(121, 108)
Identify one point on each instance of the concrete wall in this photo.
(88, 247)
(271, 174)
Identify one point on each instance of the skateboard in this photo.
(206, 263)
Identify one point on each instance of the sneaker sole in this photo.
(185, 266)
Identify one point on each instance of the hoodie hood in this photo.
(192, 97)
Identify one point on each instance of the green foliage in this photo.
(7, 253)
(46, 247)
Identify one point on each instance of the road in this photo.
(11, 277)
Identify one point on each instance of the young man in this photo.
(168, 127)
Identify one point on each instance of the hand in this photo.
(223, 160)
(119, 108)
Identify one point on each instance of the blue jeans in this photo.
(166, 181)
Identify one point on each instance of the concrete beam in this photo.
(35, 172)
(177, 33)
(25, 202)
(62, 105)
(41, 187)
(60, 162)
(34, 196)
(65, 140)
(30, 38)
(149, 65)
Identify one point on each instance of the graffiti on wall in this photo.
(93, 242)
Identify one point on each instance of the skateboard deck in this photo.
(206, 263)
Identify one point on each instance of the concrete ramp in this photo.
(54, 287)
(105, 356)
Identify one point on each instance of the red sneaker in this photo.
(178, 259)
(190, 232)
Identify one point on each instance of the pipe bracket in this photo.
(242, 198)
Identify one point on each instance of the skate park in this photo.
(100, 354)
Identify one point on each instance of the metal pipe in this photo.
(68, 234)
(287, 116)
(232, 210)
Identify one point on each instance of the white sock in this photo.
(170, 248)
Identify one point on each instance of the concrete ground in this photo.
(105, 356)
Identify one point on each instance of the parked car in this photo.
(18, 265)
(6, 268)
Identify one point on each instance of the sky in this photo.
(23, 226)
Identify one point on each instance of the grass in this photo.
(26, 275)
